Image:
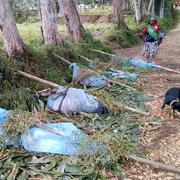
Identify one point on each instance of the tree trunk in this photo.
(118, 14)
(162, 9)
(75, 29)
(151, 7)
(49, 24)
(118, 11)
(11, 38)
(138, 9)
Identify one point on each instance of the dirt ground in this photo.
(162, 142)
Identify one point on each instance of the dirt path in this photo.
(163, 143)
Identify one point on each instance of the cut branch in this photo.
(49, 83)
(120, 106)
(162, 166)
(168, 69)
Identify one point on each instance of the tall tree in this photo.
(151, 7)
(49, 24)
(11, 38)
(138, 10)
(118, 13)
(75, 28)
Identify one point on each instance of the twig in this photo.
(162, 166)
(88, 60)
(120, 106)
(44, 126)
(120, 84)
(63, 59)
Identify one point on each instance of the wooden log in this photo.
(49, 83)
(158, 165)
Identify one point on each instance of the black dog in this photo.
(172, 98)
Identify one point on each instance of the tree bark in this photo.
(11, 38)
(151, 7)
(49, 24)
(118, 14)
(162, 7)
(118, 11)
(75, 29)
(138, 9)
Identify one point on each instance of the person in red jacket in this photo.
(151, 35)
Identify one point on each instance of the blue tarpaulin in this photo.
(69, 141)
(139, 63)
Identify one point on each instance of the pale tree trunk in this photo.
(118, 13)
(75, 28)
(151, 7)
(49, 24)
(138, 10)
(162, 8)
(11, 38)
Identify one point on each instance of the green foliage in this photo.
(23, 9)
(85, 46)
(169, 22)
(97, 11)
(124, 38)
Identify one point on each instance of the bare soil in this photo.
(161, 142)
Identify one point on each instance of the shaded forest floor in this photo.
(162, 141)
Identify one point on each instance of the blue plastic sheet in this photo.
(69, 141)
(139, 63)
(72, 101)
(89, 81)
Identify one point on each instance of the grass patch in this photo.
(96, 11)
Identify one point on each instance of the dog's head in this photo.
(176, 106)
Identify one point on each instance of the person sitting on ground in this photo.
(152, 39)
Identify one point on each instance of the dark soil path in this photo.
(162, 142)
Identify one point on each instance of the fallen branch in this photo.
(88, 60)
(120, 84)
(63, 59)
(120, 106)
(168, 69)
(105, 53)
(49, 83)
(162, 166)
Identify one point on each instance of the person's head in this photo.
(152, 21)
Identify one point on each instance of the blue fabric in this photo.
(69, 141)
(72, 100)
(139, 63)
(3, 116)
(89, 81)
